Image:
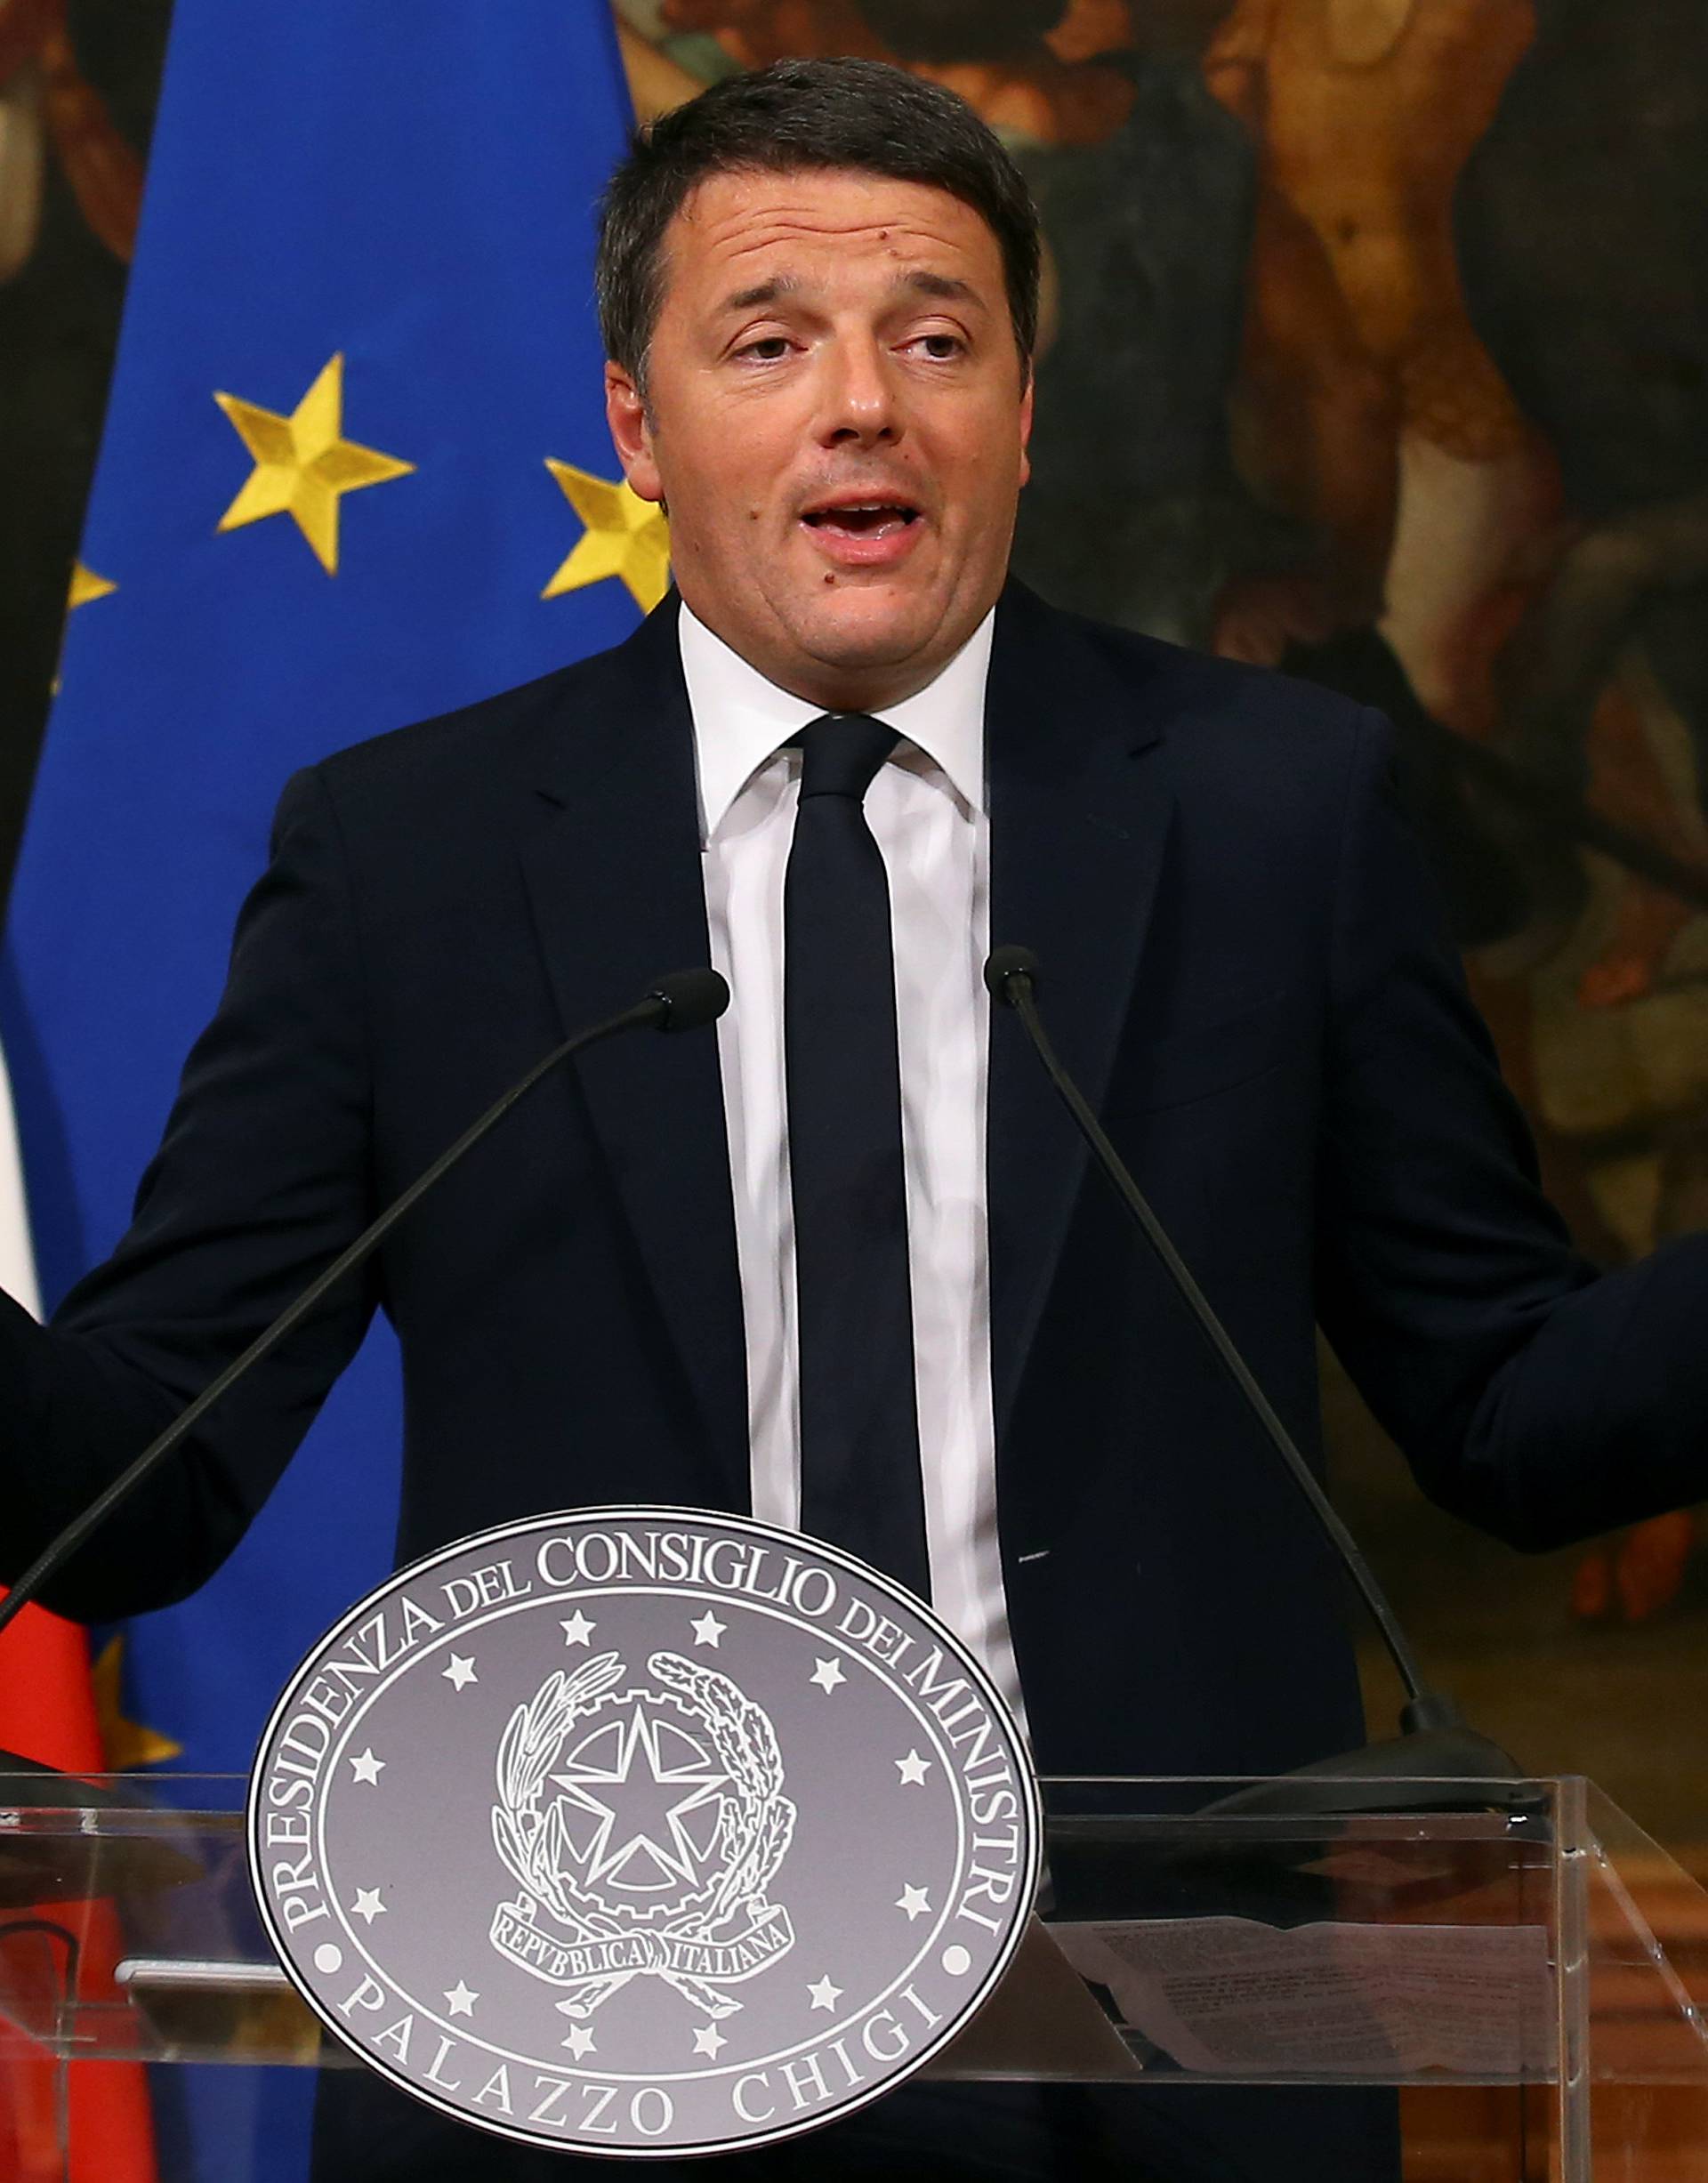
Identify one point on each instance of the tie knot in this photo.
(841, 754)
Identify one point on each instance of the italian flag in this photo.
(47, 1712)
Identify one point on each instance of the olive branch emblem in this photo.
(729, 1932)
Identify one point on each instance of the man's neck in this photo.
(840, 689)
(740, 716)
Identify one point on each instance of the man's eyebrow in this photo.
(764, 292)
(944, 287)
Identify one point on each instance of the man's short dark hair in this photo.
(862, 115)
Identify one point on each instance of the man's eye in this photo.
(939, 347)
(769, 349)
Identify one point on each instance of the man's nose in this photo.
(860, 406)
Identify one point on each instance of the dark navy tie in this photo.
(860, 1483)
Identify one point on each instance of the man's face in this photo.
(837, 417)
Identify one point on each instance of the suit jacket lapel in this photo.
(1080, 808)
(613, 865)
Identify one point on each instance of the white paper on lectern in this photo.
(1231, 1995)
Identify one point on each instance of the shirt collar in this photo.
(740, 719)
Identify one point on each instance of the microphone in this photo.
(684, 1000)
(690, 1000)
(1434, 1744)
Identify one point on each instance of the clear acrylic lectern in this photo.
(1533, 1973)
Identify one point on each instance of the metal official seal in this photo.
(643, 1832)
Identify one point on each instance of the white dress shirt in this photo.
(927, 810)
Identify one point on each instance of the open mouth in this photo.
(873, 518)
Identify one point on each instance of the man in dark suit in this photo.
(819, 291)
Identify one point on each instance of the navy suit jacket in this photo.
(1241, 964)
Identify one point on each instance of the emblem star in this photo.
(577, 1629)
(707, 1629)
(580, 2042)
(914, 1902)
(461, 1671)
(913, 1769)
(625, 537)
(826, 1674)
(368, 1768)
(461, 1998)
(303, 464)
(368, 1905)
(640, 1796)
(709, 2039)
(825, 1995)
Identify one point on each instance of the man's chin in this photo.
(865, 630)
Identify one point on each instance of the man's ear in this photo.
(626, 413)
(1025, 424)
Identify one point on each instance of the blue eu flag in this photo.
(354, 473)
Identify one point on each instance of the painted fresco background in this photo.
(1376, 348)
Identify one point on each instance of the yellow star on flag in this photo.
(303, 464)
(626, 536)
(127, 1743)
(86, 586)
